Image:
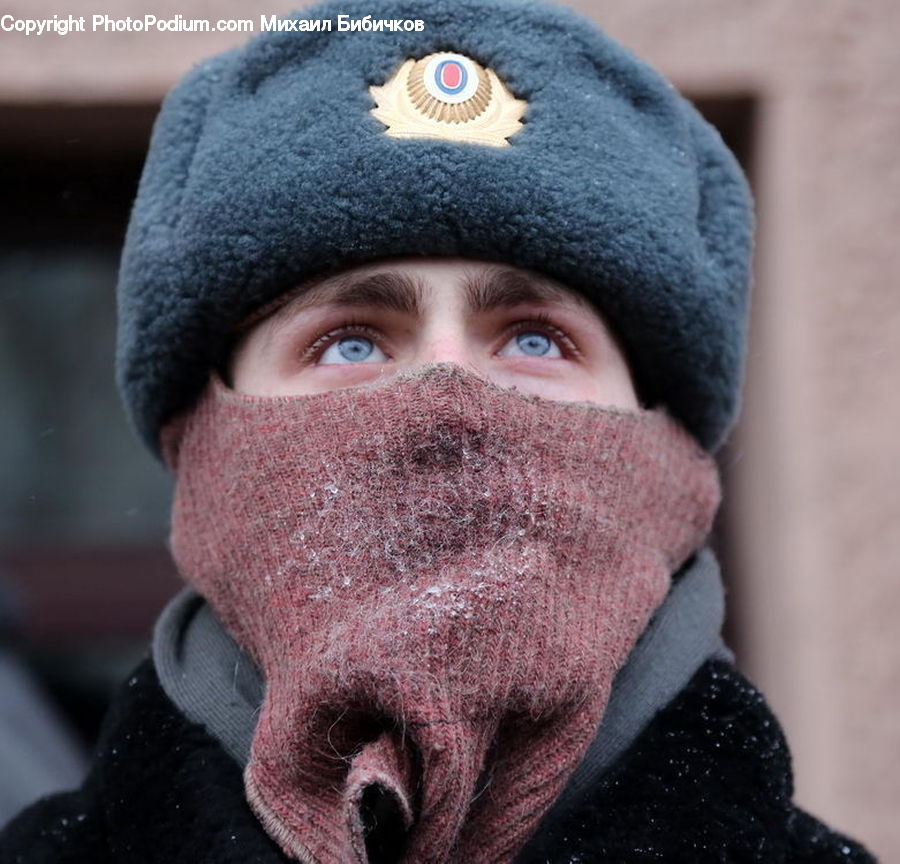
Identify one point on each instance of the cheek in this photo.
(258, 372)
(610, 386)
(606, 378)
(256, 382)
(605, 381)
(619, 394)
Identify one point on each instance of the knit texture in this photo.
(214, 683)
(266, 167)
(439, 578)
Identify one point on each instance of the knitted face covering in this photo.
(438, 578)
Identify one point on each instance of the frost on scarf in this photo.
(439, 578)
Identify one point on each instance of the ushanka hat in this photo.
(495, 129)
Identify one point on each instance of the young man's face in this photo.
(512, 326)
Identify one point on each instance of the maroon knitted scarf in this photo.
(439, 579)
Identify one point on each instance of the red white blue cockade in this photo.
(447, 95)
(450, 78)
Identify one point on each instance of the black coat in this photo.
(708, 781)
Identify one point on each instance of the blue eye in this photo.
(352, 349)
(534, 343)
(355, 348)
(531, 343)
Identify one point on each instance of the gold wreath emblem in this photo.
(412, 105)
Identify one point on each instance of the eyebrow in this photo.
(485, 290)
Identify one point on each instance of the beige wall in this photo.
(816, 467)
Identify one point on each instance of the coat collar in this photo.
(709, 779)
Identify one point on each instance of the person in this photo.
(438, 328)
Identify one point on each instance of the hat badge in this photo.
(450, 96)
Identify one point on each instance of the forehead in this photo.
(403, 285)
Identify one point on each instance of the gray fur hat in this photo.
(508, 130)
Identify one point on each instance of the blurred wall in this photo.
(813, 469)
